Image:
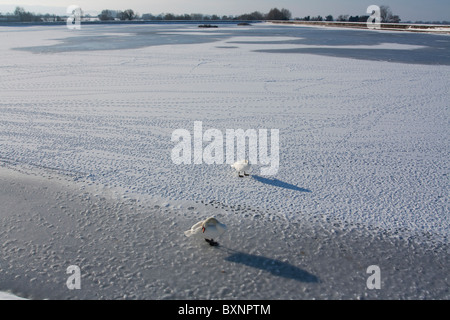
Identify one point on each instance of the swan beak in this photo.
(203, 229)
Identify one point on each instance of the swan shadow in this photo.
(273, 266)
(279, 183)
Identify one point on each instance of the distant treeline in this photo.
(273, 14)
(386, 17)
(21, 15)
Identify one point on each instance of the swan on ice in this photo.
(241, 166)
(207, 229)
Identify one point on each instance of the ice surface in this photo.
(9, 296)
(135, 248)
(363, 162)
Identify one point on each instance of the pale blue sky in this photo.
(407, 9)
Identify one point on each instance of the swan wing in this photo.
(195, 229)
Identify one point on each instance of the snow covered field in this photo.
(87, 177)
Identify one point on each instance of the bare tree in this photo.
(196, 16)
(106, 15)
(23, 15)
(275, 14)
(343, 17)
(256, 15)
(385, 12)
(128, 15)
(287, 15)
(387, 16)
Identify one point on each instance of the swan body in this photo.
(207, 229)
(241, 166)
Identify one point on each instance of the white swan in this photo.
(207, 229)
(241, 166)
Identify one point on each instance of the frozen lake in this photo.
(362, 117)
(334, 42)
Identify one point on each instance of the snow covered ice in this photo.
(87, 178)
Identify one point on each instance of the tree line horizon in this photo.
(21, 15)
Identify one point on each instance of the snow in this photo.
(9, 296)
(85, 161)
(429, 29)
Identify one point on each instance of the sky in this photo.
(413, 10)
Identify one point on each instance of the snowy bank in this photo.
(9, 296)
